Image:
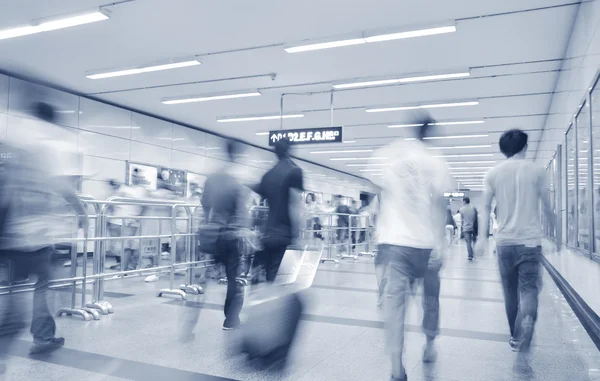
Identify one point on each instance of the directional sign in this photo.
(307, 135)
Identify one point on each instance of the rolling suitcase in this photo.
(274, 315)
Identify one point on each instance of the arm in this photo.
(68, 193)
(296, 188)
(487, 209)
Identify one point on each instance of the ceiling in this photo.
(512, 49)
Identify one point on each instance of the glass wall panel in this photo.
(571, 187)
(595, 105)
(583, 147)
(551, 231)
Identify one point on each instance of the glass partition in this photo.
(571, 145)
(595, 105)
(583, 152)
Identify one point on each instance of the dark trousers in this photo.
(470, 241)
(520, 268)
(270, 257)
(229, 255)
(43, 327)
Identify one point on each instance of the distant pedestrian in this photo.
(468, 215)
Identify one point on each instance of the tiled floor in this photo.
(341, 335)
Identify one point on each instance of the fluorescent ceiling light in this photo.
(411, 34)
(467, 173)
(345, 151)
(253, 118)
(357, 158)
(458, 123)
(426, 106)
(371, 39)
(349, 141)
(53, 24)
(366, 165)
(452, 137)
(405, 125)
(143, 69)
(469, 155)
(211, 98)
(396, 81)
(467, 168)
(472, 162)
(262, 133)
(371, 170)
(470, 176)
(462, 147)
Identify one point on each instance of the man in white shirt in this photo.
(410, 226)
(518, 187)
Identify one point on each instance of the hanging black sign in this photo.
(307, 135)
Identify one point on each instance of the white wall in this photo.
(107, 137)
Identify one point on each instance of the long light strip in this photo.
(344, 151)
(252, 118)
(462, 147)
(357, 158)
(143, 69)
(471, 162)
(262, 133)
(211, 98)
(467, 168)
(397, 81)
(458, 123)
(426, 106)
(366, 165)
(405, 125)
(371, 39)
(53, 24)
(467, 155)
(371, 170)
(451, 137)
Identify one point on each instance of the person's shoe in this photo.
(429, 353)
(18, 282)
(399, 379)
(522, 365)
(514, 345)
(470, 258)
(115, 267)
(67, 264)
(230, 327)
(165, 255)
(47, 346)
(151, 278)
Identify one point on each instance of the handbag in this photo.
(209, 234)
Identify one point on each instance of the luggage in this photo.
(274, 314)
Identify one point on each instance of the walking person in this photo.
(282, 187)
(36, 180)
(450, 227)
(224, 203)
(468, 216)
(458, 222)
(410, 225)
(518, 186)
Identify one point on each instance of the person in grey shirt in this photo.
(518, 187)
(468, 215)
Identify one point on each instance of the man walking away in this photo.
(410, 225)
(36, 180)
(224, 203)
(518, 187)
(282, 187)
(343, 221)
(468, 216)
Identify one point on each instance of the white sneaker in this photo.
(151, 278)
(165, 255)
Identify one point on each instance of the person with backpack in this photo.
(468, 215)
(32, 184)
(224, 204)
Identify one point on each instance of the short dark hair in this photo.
(233, 148)
(282, 148)
(44, 111)
(512, 142)
(466, 200)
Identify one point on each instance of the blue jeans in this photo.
(520, 271)
(469, 240)
(405, 266)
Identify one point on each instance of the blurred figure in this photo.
(343, 221)
(519, 186)
(410, 226)
(468, 216)
(450, 227)
(281, 186)
(126, 224)
(33, 183)
(494, 227)
(225, 205)
(458, 222)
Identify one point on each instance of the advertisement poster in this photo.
(146, 175)
(195, 184)
(176, 180)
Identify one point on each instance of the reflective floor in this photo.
(341, 336)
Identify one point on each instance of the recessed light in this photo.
(211, 98)
(144, 69)
(371, 39)
(345, 151)
(253, 118)
(50, 24)
(425, 106)
(396, 81)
